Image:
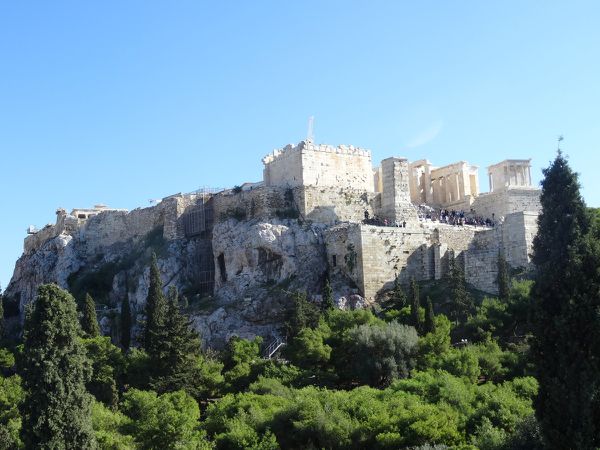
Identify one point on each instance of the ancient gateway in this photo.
(338, 186)
(319, 211)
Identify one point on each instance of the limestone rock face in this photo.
(255, 265)
(257, 255)
(258, 264)
(52, 263)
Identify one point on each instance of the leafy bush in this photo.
(169, 421)
(382, 352)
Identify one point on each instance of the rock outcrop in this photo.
(236, 277)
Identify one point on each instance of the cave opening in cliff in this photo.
(222, 268)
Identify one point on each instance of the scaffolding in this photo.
(200, 218)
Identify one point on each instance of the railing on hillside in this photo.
(273, 348)
(208, 190)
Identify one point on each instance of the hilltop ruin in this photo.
(319, 211)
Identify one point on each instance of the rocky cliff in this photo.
(237, 255)
(236, 276)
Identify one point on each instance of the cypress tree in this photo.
(327, 297)
(503, 279)
(57, 410)
(398, 297)
(415, 304)
(566, 348)
(125, 323)
(429, 325)
(89, 321)
(174, 358)
(462, 303)
(302, 314)
(156, 305)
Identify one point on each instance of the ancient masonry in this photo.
(333, 189)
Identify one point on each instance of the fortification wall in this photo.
(456, 238)
(395, 198)
(343, 167)
(326, 205)
(373, 257)
(262, 201)
(519, 229)
(284, 167)
(308, 164)
(390, 252)
(109, 227)
(34, 241)
(507, 201)
(481, 259)
(174, 208)
(344, 258)
(331, 205)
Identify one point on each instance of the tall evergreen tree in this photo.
(57, 410)
(415, 304)
(89, 320)
(462, 303)
(327, 303)
(503, 279)
(398, 297)
(566, 348)
(302, 314)
(429, 325)
(125, 323)
(156, 306)
(174, 358)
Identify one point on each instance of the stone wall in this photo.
(110, 227)
(390, 252)
(481, 259)
(519, 229)
(261, 202)
(34, 241)
(343, 252)
(325, 205)
(373, 257)
(395, 198)
(283, 167)
(332, 205)
(173, 208)
(506, 201)
(308, 164)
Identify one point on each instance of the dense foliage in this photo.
(352, 379)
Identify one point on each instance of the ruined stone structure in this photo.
(230, 249)
(307, 164)
(454, 185)
(371, 257)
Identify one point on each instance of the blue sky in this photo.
(121, 102)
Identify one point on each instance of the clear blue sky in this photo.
(123, 101)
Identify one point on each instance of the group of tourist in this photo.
(459, 218)
(450, 217)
